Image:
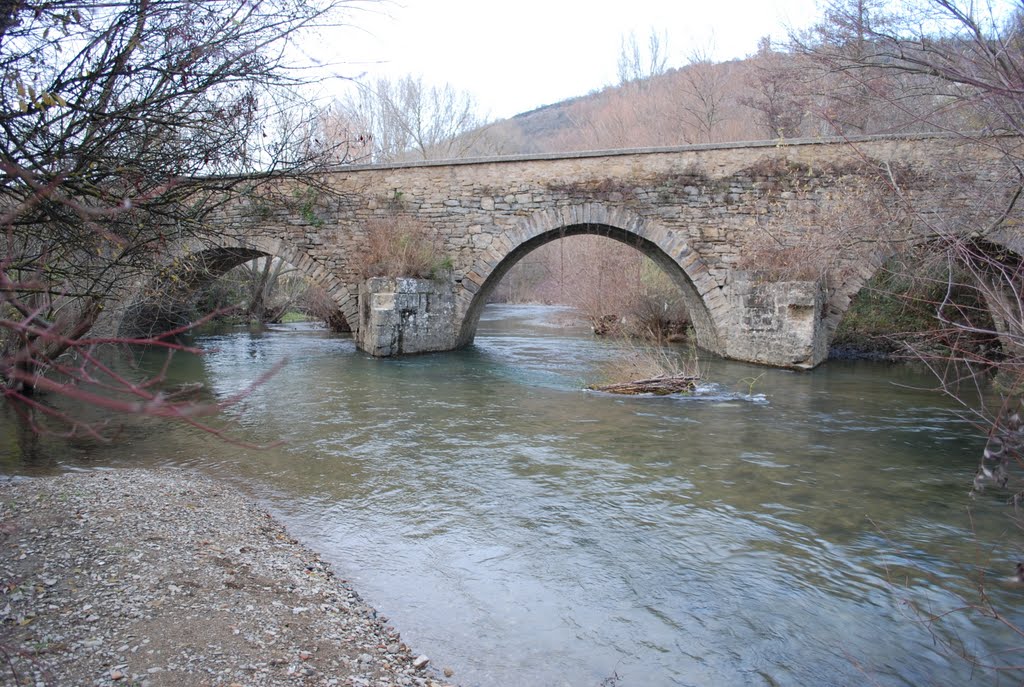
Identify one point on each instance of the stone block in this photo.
(382, 301)
(400, 316)
(778, 323)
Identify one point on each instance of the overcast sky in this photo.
(516, 56)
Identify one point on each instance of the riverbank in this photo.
(160, 578)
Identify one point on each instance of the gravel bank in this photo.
(136, 577)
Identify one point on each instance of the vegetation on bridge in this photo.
(399, 245)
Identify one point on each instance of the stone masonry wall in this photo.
(782, 321)
(699, 210)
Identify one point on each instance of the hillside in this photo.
(769, 95)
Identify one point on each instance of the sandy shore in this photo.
(137, 577)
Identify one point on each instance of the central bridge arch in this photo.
(668, 249)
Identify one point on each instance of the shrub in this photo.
(400, 246)
(647, 362)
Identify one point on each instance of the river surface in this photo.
(775, 528)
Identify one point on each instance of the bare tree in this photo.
(341, 129)
(629, 117)
(408, 119)
(128, 122)
(775, 94)
(955, 66)
(703, 98)
(638, 112)
(270, 287)
(879, 94)
(964, 62)
(846, 29)
(654, 106)
(637, 66)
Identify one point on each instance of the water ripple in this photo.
(530, 533)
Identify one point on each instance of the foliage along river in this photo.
(525, 532)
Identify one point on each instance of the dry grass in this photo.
(400, 246)
(649, 362)
(772, 260)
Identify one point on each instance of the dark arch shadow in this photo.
(165, 303)
(994, 295)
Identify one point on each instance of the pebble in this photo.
(103, 566)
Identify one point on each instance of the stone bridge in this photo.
(768, 242)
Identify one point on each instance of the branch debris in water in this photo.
(659, 386)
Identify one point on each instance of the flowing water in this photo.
(775, 528)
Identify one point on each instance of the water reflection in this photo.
(527, 532)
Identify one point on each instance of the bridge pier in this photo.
(401, 315)
(776, 323)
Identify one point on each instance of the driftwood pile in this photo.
(659, 386)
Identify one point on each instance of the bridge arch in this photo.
(1003, 293)
(191, 264)
(667, 248)
(840, 298)
(1008, 239)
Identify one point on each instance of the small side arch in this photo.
(192, 264)
(669, 249)
(999, 301)
(1003, 289)
(841, 296)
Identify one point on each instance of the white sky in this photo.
(516, 56)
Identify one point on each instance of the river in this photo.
(774, 528)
